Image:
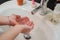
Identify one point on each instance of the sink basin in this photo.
(40, 32)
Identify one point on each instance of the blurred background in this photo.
(51, 3)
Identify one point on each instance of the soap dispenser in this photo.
(20, 2)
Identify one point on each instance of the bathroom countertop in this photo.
(28, 7)
(13, 4)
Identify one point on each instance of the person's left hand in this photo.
(16, 19)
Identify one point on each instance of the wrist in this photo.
(10, 21)
(18, 28)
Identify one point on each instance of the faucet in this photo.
(42, 6)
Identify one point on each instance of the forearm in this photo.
(4, 20)
(11, 34)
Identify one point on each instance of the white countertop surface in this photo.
(13, 4)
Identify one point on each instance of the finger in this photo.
(24, 20)
(16, 16)
(30, 24)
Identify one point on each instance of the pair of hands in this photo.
(23, 22)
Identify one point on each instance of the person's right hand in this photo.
(24, 28)
(14, 31)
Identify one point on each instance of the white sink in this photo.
(41, 30)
